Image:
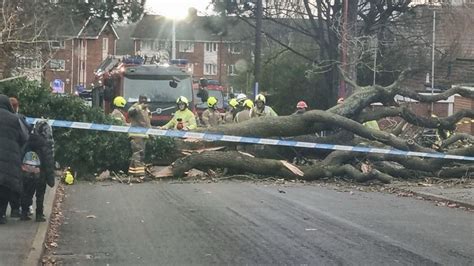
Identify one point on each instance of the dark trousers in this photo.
(15, 201)
(33, 185)
(5, 195)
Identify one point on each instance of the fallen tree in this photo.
(346, 122)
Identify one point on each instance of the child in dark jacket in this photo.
(37, 169)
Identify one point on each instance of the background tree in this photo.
(24, 24)
(321, 21)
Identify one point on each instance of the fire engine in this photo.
(161, 82)
(213, 89)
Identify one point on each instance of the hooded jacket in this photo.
(12, 138)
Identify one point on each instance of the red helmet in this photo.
(301, 105)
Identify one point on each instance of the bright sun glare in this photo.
(174, 8)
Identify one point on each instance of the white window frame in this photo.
(191, 68)
(231, 70)
(59, 44)
(186, 47)
(105, 48)
(235, 48)
(57, 64)
(149, 44)
(210, 69)
(27, 63)
(211, 47)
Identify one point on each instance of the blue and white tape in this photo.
(238, 139)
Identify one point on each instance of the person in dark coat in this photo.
(12, 138)
(15, 197)
(38, 169)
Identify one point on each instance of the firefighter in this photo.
(231, 111)
(139, 116)
(211, 117)
(260, 109)
(244, 114)
(241, 98)
(183, 119)
(301, 107)
(119, 110)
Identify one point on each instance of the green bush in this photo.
(86, 152)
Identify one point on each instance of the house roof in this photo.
(196, 28)
(91, 28)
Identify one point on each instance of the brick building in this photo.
(454, 55)
(76, 51)
(212, 54)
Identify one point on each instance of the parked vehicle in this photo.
(161, 82)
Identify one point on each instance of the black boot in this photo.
(3, 219)
(15, 213)
(24, 216)
(40, 217)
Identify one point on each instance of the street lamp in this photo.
(176, 13)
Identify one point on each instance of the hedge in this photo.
(86, 152)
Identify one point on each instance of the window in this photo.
(191, 68)
(234, 48)
(27, 63)
(231, 70)
(186, 47)
(211, 47)
(147, 45)
(57, 64)
(210, 69)
(57, 44)
(105, 48)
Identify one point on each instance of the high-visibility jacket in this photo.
(372, 124)
(267, 111)
(187, 117)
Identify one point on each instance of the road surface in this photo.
(247, 223)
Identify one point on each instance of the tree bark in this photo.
(247, 164)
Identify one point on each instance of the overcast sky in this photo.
(165, 7)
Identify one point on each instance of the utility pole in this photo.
(433, 59)
(375, 44)
(258, 47)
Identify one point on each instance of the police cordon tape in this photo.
(239, 139)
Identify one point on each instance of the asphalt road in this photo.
(247, 223)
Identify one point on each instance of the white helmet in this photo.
(241, 97)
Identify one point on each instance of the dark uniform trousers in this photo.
(33, 185)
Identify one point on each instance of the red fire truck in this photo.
(162, 83)
(214, 89)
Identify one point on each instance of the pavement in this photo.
(461, 195)
(170, 223)
(22, 241)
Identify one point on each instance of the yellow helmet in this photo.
(260, 97)
(211, 101)
(182, 99)
(233, 102)
(119, 101)
(248, 103)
